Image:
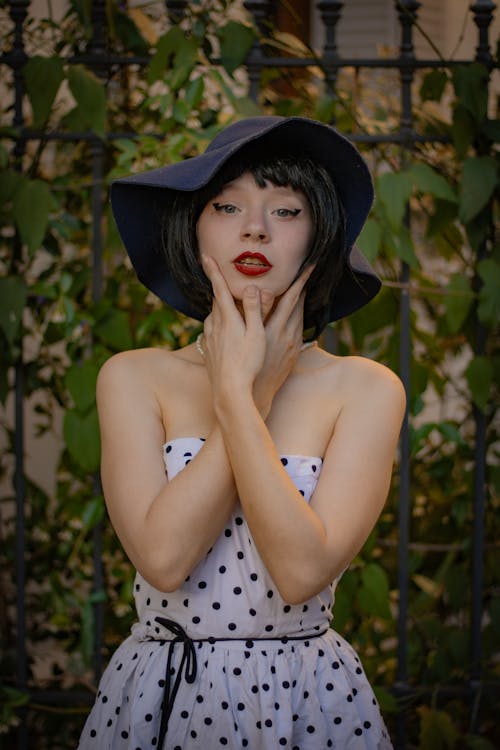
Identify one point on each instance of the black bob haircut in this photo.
(328, 250)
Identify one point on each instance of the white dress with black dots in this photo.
(264, 685)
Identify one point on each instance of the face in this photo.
(258, 236)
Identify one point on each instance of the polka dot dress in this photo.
(278, 678)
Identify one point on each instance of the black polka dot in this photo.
(366, 724)
(196, 620)
(202, 585)
(237, 590)
(232, 626)
(184, 714)
(284, 461)
(222, 569)
(329, 686)
(216, 605)
(283, 741)
(240, 706)
(252, 612)
(207, 720)
(225, 705)
(168, 449)
(93, 733)
(311, 729)
(149, 717)
(358, 731)
(337, 720)
(237, 671)
(253, 576)
(228, 533)
(238, 521)
(240, 555)
(164, 603)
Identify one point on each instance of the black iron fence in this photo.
(98, 58)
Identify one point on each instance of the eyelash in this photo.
(222, 208)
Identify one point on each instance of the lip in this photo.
(252, 269)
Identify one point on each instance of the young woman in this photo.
(278, 455)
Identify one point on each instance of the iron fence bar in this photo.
(18, 10)
(97, 49)
(483, 15)
(269, 61)
(260, 10)
(330, 12)
(407, 14)
(34, 135)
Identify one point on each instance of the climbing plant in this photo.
(435, 211)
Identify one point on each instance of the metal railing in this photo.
(406, 64)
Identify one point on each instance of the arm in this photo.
(164, 527)
(303, 546)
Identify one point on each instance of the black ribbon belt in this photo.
(189, 664)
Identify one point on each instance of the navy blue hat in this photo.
(138, 202)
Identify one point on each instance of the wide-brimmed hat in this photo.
(140, 200)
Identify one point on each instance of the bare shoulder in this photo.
(358, 380)
(364, 380)
(134, 367)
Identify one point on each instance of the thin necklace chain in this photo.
(304, 346)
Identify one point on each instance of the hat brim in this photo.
(138, 202)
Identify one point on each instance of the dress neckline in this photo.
(282, 455)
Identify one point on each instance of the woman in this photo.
(278, 454)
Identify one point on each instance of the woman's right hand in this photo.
(284, 323)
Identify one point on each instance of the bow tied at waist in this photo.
(188, 664)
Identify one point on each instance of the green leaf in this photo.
(458, 301)
(236, 40)
(489, 295)
(128, 33)
(479, 374)
(479, 179)
(471, 88)
(436, 730)
(394, 190)
(10, 182)
(43, 76)
(194, 92)
(113, 330)
(433, 85)
(31, 205)
(463, 129)
(427, 180)
(93, 512)
(13, 294)
(174, 51)
(80, 380)
(373, 595)
(404, 247)
(81, 433)
(369, 239)
(90, 97)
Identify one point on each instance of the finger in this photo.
(266, 302)
(291, 297)
(222, 295)
(252, 308)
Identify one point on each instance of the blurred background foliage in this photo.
(194, 84)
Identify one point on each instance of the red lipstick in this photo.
(252, 264)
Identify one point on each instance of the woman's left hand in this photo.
(284, 325)
(234, 344)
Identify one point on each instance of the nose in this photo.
(254, 227)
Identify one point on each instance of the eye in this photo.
(284, 213)
(226, 208)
